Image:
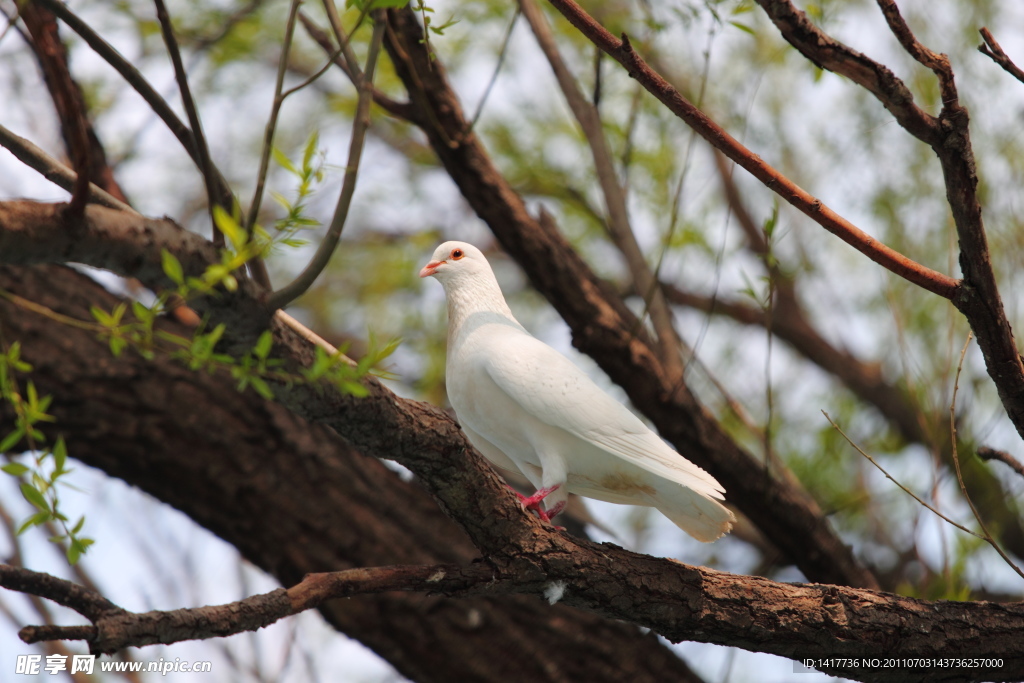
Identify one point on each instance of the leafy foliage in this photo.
(42, 477)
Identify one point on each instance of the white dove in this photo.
(528, 408)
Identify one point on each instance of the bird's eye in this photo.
(457, 254)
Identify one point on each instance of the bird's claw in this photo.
(533, 503)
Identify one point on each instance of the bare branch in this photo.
(660, 598)
(54, 171)
(888, 476)
(296, 288)
(135, 79)
(956, 462)
(66, 96)
(977, 295)
(589, 119)
(347, 63)
(994, 51)
(938, 63)
(828, 53)
(216, 195)
(268, 134)
(623, 52)
(502, 53)
(986, 453)
(85, 601)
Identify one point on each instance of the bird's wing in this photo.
(548, 386)
(494, 454)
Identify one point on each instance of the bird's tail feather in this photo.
(701, 517)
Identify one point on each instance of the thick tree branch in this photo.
(814, 208)
(675, 600)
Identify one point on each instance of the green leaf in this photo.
(101, 316)
(263, 345)
(33, 496)
(15, 469)
(60, 454)
(261, 387)
(283, 161)
(354, 388)
(312, 143)
(74, 553)
(230, 227)
(172, 267)
(214, 336)
(35, 520)
(117, 345)
(78, 525)
(744, 28)
(141, 312)
(12, 439)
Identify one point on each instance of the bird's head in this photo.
(454, 261)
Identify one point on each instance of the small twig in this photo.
(986, 453)
(280, 95)
(589, 120)
(344, 39)
(275, 110)
(215, 194)
(347, 63)
(87, 602)
(956, 463)
(497, 68)
(54, 171)
(134, 78)
(993, 50)
(888, 476)
(305, 279)
(53, 315)
(114, 628)
(938, 63)
(311, 336)
(53, 60)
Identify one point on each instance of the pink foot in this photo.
(533, 502)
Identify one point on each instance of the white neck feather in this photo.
(476, 293)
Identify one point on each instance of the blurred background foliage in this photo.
(826, 134)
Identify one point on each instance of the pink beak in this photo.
(430, 268)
